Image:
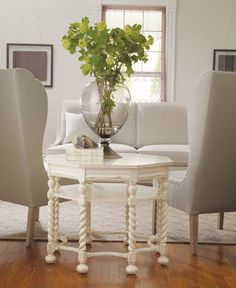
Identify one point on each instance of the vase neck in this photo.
(104, 141)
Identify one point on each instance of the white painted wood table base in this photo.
(94, 185)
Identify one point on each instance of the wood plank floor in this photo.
(214, 267)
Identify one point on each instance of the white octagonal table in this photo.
(104, 181)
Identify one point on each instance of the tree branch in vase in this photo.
(107, 55)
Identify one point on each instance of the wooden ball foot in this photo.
(82, 268)
(163, 260)
(50, 259)
(131, 269)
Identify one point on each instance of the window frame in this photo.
(171, 8)
(162, 74)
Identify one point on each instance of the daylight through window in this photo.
(148, 82)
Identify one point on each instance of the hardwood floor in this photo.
(214, 267)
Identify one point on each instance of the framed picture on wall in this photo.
(224, 60)
(37, 58)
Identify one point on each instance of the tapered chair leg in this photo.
(220, 220)
(193, 222)
(37, 214)
(32, 215)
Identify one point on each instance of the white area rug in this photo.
(110, 217)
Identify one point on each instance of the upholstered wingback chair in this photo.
(23, 114)
(209, 185)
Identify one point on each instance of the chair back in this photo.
(23, 115)
(211, 175)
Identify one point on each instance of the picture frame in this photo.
(37, 58)
(224, 60)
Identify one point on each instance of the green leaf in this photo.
(110, 60)
(82, 43)
(86, 68)
(66, 43)
(84, 25)
(150, 39)
(101, 26)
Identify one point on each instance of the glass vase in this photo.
(105, 110)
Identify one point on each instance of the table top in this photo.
(127, 160)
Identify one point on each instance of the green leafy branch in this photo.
(107, 54)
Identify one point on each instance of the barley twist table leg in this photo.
(158, 216)
(56, 211)
(132, 201)
(51, 246)
(162, 213)
(126, 216)
(89, 239)
(82, 257)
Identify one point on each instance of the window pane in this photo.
(137, 67)
(145, 89)
(114, 18)
(133, 17)
(156, 46)
(152, 21)
(154, 62)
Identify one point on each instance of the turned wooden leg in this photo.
(154, 217)
(220, 220)
(162, 213)
(154, 208)
(126, 216)
(32, 214)
(126, 224)
(132, 201)
(82, 257)
(56, 211)
(193, 221)
(89, 239)
(51, 246)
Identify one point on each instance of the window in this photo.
(148, 81)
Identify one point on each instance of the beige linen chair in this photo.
(23, 114)
(209, 185)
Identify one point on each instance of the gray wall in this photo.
(202, 25)
(45, 21)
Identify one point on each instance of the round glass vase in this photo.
(103, 122)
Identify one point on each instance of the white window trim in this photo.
(171, 6)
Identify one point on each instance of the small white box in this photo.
(93, 155)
